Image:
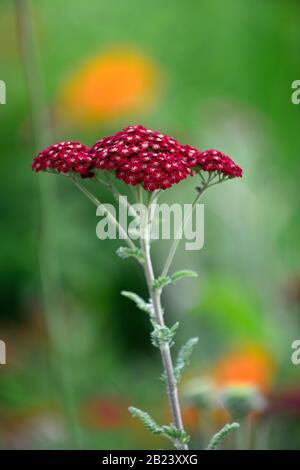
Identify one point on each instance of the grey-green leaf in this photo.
(184, 357)
(170, 432)
(219, 436)
(175, 435)
(182, 274)
(163, 335)
(161, 282)
(125, 252)
(140, 303)
(146, 419)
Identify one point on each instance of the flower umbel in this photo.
(213, 160)
(64, 157)
(139, 155)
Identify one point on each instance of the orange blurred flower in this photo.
(108, 86)
(251, 365)
(191, 418)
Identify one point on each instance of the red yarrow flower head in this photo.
(65, 157)
(213, 160)
(141, 156)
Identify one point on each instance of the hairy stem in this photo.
(178, 235)
(118, 197)
(111, 217)
(165, 352)
(206, 184)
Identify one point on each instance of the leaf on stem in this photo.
(184, 357)
(182, 274)
(219, 436)
(125, 252)
(163, 335)
(146, 419)
(175, 435)
(161, 282)
(139, 302)
(171, 432)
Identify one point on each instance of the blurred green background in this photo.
(214, 74)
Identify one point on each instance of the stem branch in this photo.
(178, 235)
(111, 217)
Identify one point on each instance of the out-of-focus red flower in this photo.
(105, 413)
(108, 86)
(139, 155)
(285, 401)
(63, 158)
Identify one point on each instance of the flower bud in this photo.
(240, 399)
(199, 393)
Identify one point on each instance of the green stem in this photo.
(206, 183)
(165, 352)
(118, 197)
(111, 217)
(244, 436)
(178, 235)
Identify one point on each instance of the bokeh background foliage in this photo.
(213, 74)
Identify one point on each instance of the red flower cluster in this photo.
(139, 155)
(64, 157)
(213, 160)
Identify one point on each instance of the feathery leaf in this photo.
(125, 252)
(140, 303)
(184, 357)
(219, 436)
